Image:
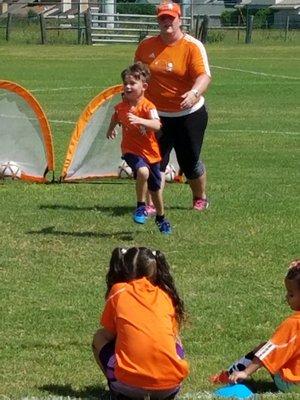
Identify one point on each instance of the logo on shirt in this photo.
(169, 67)
(143, 130)
(152, 55)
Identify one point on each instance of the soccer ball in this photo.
(10, 170)
(124, 171)
(170, 173)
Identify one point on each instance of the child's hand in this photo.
(134, 119)
(237, 376)
(111, 134)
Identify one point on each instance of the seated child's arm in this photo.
(102, 337)
(151, 124)
(250, 369)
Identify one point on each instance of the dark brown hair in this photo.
(138, 262)
(294, 272)
(138, 70)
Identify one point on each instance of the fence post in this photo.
(87, 23)
(249, 28)
(197, 27)
(78, 24)
(8, 26)
(192, 15)
(287, 25)
(43, 29)
(238, 28)
(204, 30)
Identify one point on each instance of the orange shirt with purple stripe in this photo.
(142, 317)
(281, 354)
(136, 139)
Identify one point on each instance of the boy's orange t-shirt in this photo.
(142, 317)
(135, 138)
(281, 354)
(173, 68)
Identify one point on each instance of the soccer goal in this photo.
(90, 154)
(26, 150)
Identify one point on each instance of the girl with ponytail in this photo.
(138, 347)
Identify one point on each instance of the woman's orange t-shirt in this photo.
(143, 319)
(174, 68)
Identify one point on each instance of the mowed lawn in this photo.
(229, 262)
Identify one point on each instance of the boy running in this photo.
(139, 120)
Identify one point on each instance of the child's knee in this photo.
(97, 341)
(143, 173)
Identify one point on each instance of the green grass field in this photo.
(229, 262)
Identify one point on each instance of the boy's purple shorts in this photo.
(135, 162)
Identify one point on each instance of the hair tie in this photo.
(123, 251)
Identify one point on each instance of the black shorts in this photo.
(185, 134)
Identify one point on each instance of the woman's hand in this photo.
(189, 99)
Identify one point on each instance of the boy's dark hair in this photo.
(138, 70)
(138, 262)
(294, 272)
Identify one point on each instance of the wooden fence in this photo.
(94, 27)
(123, 28)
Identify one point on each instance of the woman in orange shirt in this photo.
(280, 355)
(180, 75)
(138, 348)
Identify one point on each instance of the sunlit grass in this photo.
(228, 263)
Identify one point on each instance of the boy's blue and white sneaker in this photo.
(140, 215)
(164, 226)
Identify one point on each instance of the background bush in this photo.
(135, 8)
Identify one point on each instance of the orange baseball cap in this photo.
(172, 9)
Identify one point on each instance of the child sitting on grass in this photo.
(139, 349)
(140, 120)
(280, 355)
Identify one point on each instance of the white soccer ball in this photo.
(124, 171)
(170, 173)
(10, 169)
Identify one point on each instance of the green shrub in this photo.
(32, 15)
(229, 18)
(215, 36)
(135, 8)
(263, 18)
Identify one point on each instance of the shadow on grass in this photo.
(116, 211)
(108, 181)
(89, 392)
(50, 230)
(260, 386)
(99, 393)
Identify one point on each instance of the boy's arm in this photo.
(250, 369)
(151, 124)
(111, 133)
